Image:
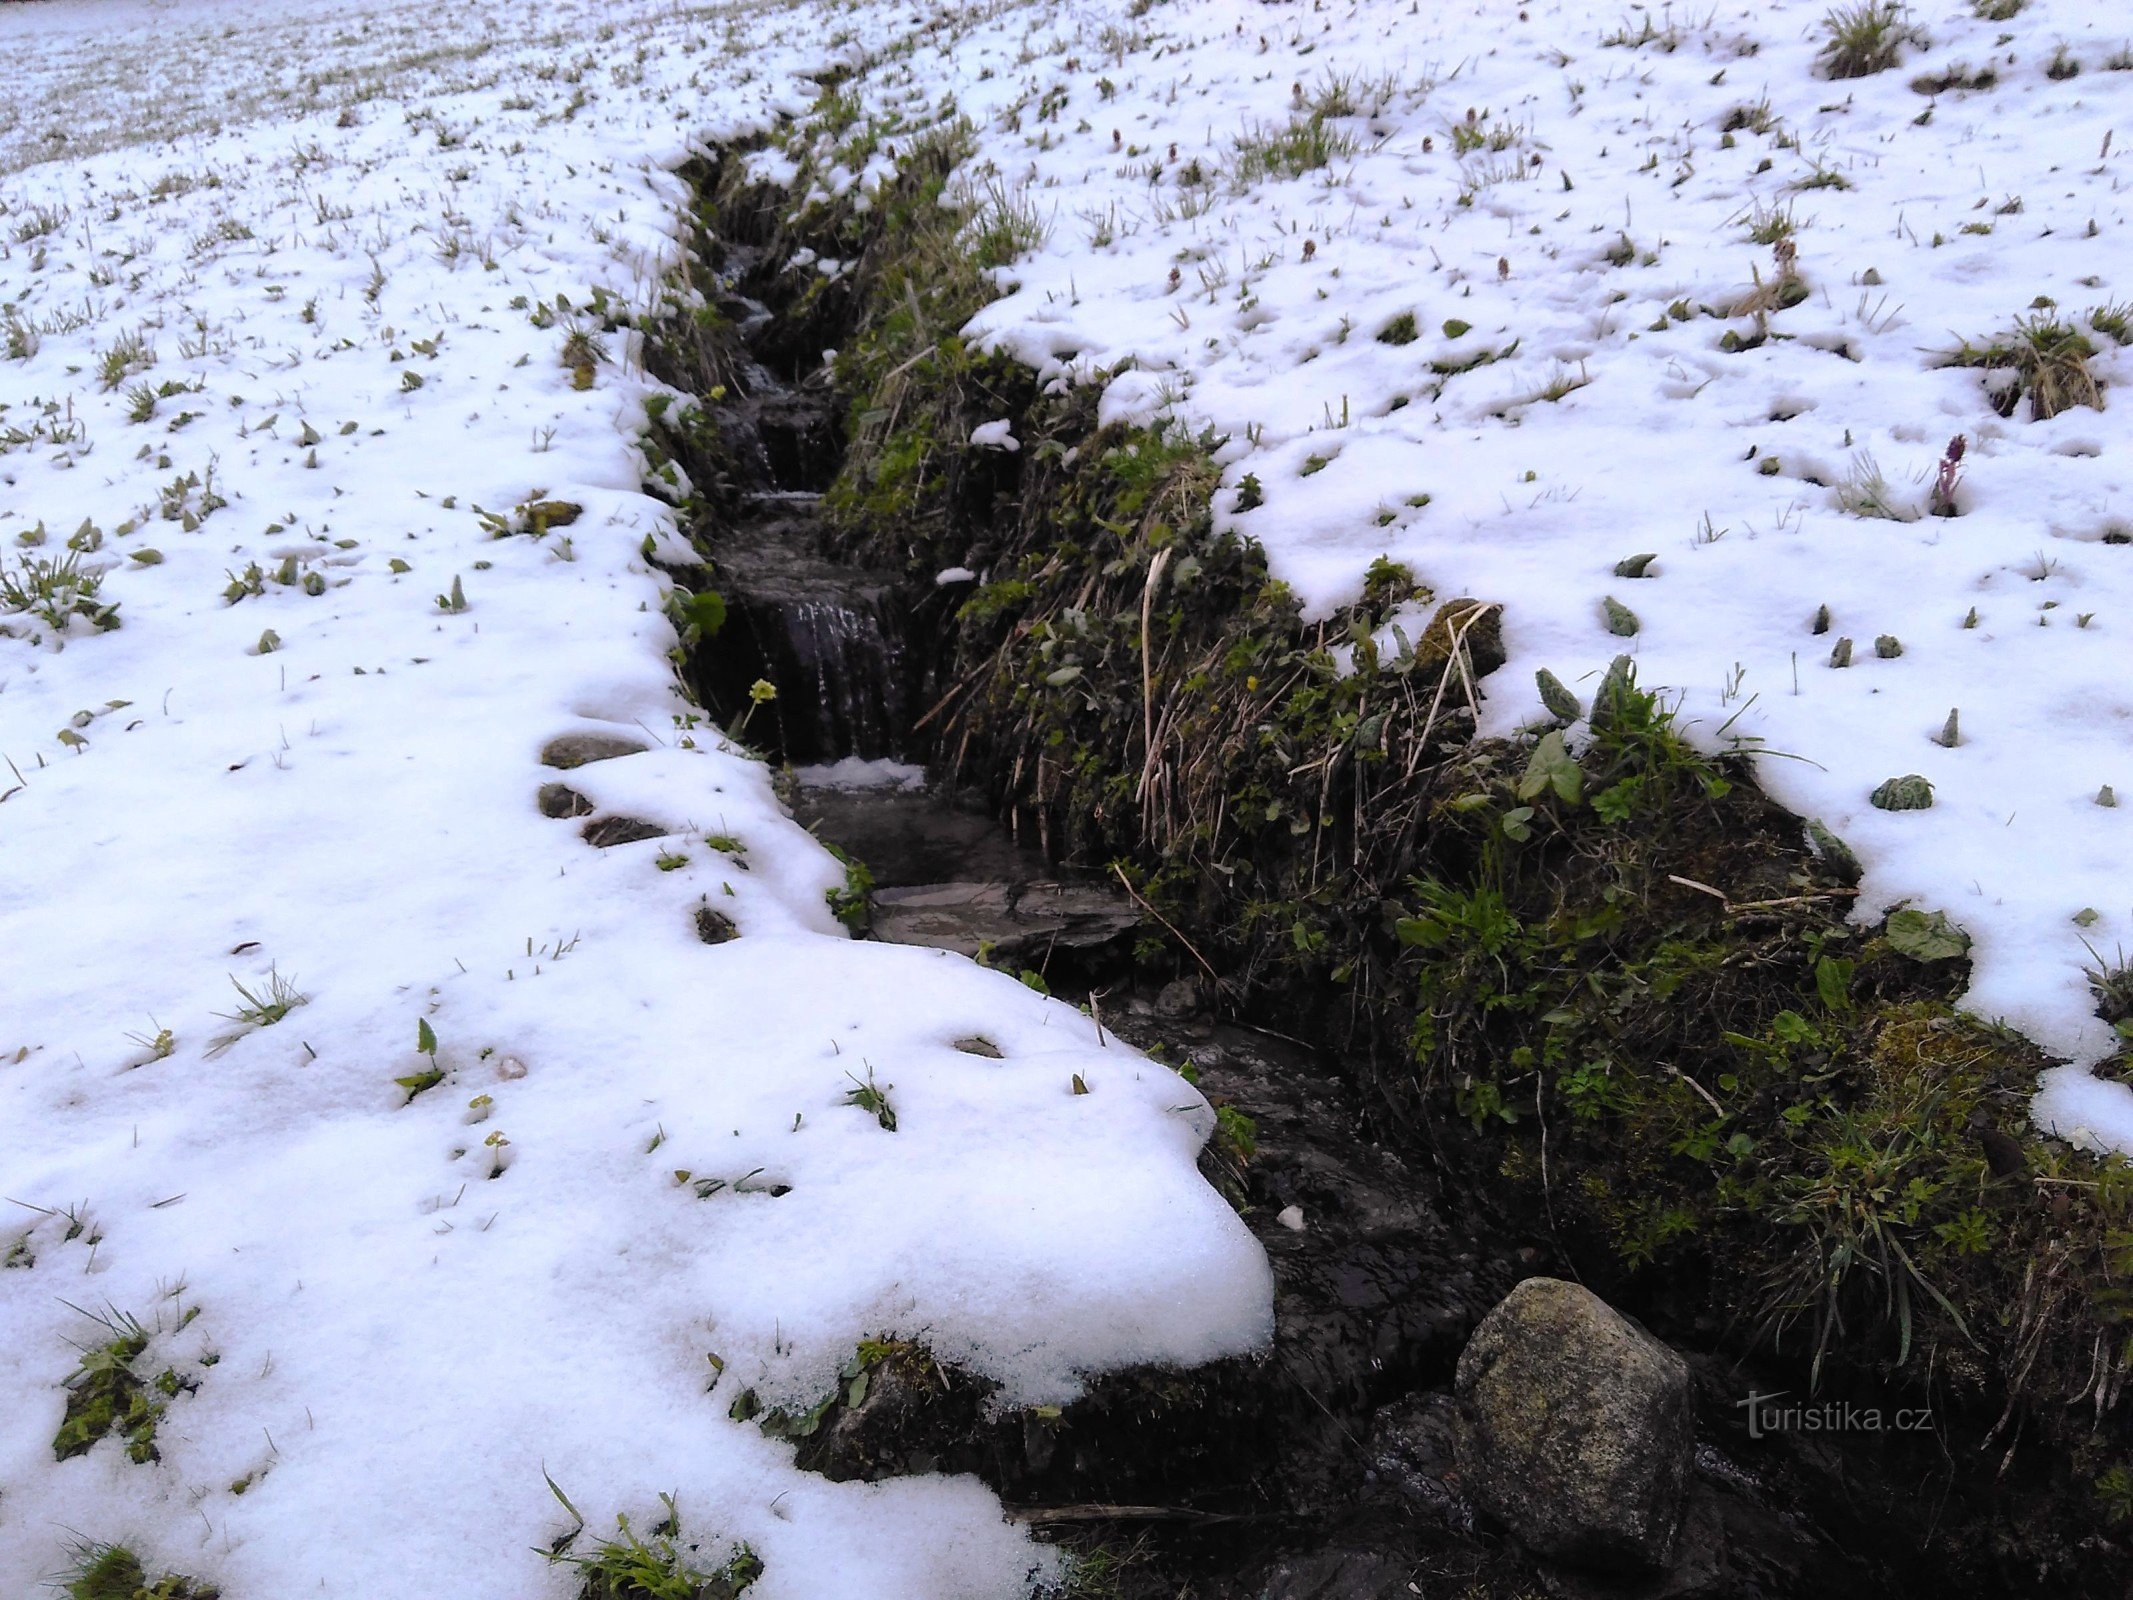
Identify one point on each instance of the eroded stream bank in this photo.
(921, 605)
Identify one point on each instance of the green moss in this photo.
(112, 1572)
(105, 1395)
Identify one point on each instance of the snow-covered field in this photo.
(1524, 283)
(287, 290)
(293, 764)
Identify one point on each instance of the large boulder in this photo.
(1575, 1428)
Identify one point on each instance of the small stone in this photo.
(714, 927)
(1180, 997)
(510, 1068)
(1291, 1217)
(1840, 654)
(1575, 1428)
(582, 749)
(1888, 647)
(2106, 796)
(1821, 619)
(560, 800)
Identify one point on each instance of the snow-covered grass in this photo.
(429, 1148)
(1662, 329)
(426, 1145)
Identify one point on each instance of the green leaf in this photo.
(425, 1037)
(1455, 329)
(1551, 766)
(1556, 696)
(706, 612)
(1925, 937)
(416, 1082)
(1833, 982)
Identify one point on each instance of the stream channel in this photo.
(1324, 1470)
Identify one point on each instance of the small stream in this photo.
(1323, 1471)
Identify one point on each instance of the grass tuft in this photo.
(1866, 38)
(661, 1567)
(1304, 145)
(2044, 358)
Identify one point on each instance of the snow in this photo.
(402, 1310)
(1574, 216)
(318, 218)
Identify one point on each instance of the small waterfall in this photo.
(831, 639)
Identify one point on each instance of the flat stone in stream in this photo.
(1020, 923)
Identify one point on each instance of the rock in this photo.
(560, 800)
(1338, 1574)
(611, 831)
(1575, 1428)
(714, 927)
(1018, 923)
(1180, 997)
(581, 749)
(1414, 1453)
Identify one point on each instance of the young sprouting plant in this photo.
(456, 601)
(659, 1568)
(850, 903)
(55, 590)
(1941, 501)
(159, 1044)
(872, 1098)
(427, 1077)
(258, 1008)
